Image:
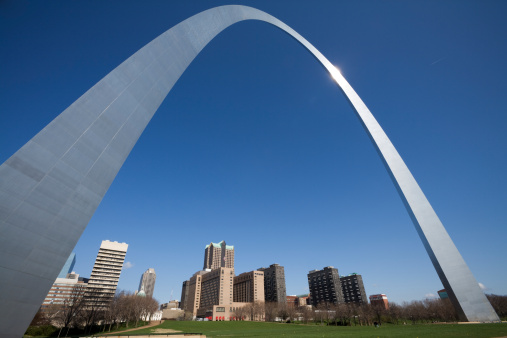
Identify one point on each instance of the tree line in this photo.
(87, 309)
(424, 311)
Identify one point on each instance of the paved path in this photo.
(152, 323)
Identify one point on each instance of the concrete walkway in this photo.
(151, 324)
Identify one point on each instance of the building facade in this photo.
(106, 272)
(216, 289)
(147, 283)
(303, 300)
(248, 287)
(274, 284)
(325, 286)
(184, 294)
(65, 290)
(194, 292)
(379, 301)
(292, 301)
(218, 255)
(353, 289)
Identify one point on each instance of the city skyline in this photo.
(367, 192)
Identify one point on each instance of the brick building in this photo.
(379, 300)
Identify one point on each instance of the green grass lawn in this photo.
(260, 329)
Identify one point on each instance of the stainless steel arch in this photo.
(51, 187)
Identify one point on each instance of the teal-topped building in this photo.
(218, 255)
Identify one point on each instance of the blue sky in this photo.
(256, 145)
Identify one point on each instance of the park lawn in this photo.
(261, 329)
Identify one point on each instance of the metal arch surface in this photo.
(50, 188)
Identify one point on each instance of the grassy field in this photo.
(260, 329)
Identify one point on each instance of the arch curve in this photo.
(50, 188)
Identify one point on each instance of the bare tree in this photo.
(40, 318)
(242, 312)
(270, 311)
(306, 313)
(499, 304)
(67, 311)
(394, 313)
(95, 304)
(111, 315)
(282, 311)
(291, 313)
(258, 310)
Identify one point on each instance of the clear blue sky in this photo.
(256, 145)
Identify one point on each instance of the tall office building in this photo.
(218, 255)
(208, 289)
(353, 289)
(274, 284)
(184, 294)
(69, 266)
(147, 283)
(216, 289)
(249, 287)
(325, 286)
(106, 272)
(193, 292)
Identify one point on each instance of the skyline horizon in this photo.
(278, 168)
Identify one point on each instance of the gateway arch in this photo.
(50, 188)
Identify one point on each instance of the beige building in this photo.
(249, 287)
(194, 292)
(65, 290)
(218, 255)
(216, 289)
(106, 272)
(211, 293)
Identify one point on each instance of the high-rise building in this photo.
(184, 294)
(216, 289)
(106, 272)
(147, 283)
(379, 300)
(248, 287)
(274, 284)
(325, 286)
(353, 289)
(194, 292)
(218, 255)
(69, 266)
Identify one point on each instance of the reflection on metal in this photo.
(50, 188)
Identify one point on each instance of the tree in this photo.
(241, 312)
(40, 319)
(95, 303)
(258, 310)
(394, 313)
(306, 313)
(270, 311)
(499, 304)
(112, 313)
(69, 309)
